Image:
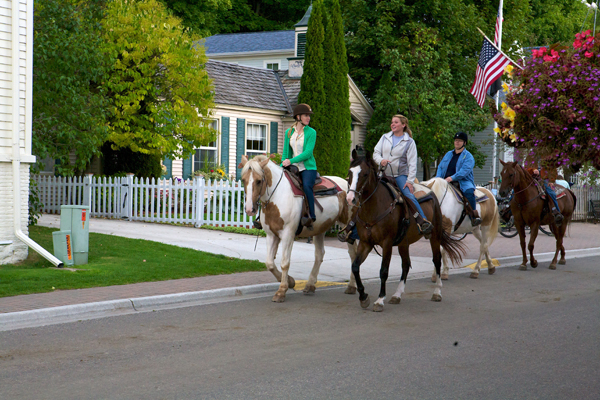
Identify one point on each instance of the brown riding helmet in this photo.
(302, 109)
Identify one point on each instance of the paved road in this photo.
(515, 335)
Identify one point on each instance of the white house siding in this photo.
(257, 61)
(12, 249)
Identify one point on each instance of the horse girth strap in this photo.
(370, 225)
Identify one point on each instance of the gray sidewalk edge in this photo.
(70, 313)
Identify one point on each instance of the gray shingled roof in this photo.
(252, 41)
(247, 86)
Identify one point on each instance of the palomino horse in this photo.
(455, 222)
(528, 208)
(264, 181)
(383, 219)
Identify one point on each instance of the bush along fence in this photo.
(195, 201)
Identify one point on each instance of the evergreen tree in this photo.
(340, 92)
(312, 90)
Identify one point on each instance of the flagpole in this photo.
(495, 151)
(496, 47)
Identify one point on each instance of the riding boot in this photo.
(425, 227)
(558, 217)
(473, 214)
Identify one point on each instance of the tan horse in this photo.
(264, 181)
(528, 208)
(452, 210)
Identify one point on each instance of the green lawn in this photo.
(114, 260)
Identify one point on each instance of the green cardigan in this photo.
(310, 138)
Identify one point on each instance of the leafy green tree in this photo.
(161, 94)
(202, 16)
(312, 90)
(69, 105)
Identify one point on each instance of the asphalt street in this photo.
(531, 334)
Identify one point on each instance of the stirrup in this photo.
(475, 221)
(256, 223)
(425, 228)
(558, 219)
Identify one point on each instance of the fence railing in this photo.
(194, 201)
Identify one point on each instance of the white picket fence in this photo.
(195, 201)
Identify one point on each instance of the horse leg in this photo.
(319, 252)
(363, 251)
(535, 228)
(287, 241)
(272, 245)
(482, 250)
(351, 288)
(485, 234)
(521, 230)
(559, 234)
(397, 297)
(445, 268)
(436, 246)
(383, 276)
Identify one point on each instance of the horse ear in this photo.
(502, 162)
(243, 162)
(264, 163)
(514, 164)
(354, 155)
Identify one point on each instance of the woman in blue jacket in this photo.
(457, 168)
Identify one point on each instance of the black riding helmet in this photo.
(462, 136)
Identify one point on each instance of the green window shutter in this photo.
(187, 167)
(167, 162)
(274, 136)
(225, 143)
(240, 144)
(301, 44)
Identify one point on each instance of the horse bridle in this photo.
(533, 182)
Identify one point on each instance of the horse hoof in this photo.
(522, 267)
(534, 264)
(309, 289)
(291, 282)
(552, 266)
(562, 262)
(365, 303)
(474, 275)
(395, 300)
(444, 277)
(278, 298)
(350, 290)
(377, 307)
(433, 278)
(436, 297)
(491, 270)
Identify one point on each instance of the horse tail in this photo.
(455, 249)
(495, 225)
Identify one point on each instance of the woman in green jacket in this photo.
(298, 149)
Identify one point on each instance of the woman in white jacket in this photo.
(396, 151)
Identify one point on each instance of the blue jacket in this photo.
(464, 169)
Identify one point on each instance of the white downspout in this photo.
(16, 159)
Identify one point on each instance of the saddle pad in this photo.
(421, 190)
(326, 187)
(480, 197)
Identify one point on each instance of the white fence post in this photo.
(87, 190)
(127, 197)
(199, 186)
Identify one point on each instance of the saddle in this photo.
(560, 191)
(480, 197)
(422, 193)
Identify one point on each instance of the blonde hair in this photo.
(404, 120)
(294, 127)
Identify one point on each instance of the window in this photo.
(206, 156)
(256, 140)
(272, 64)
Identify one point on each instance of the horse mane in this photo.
(255, 160)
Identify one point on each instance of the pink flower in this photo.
(588, 54)
(577, 44)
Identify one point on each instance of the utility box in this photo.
(63, 249)
(76, 219)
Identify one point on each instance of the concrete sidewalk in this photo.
(72, 305)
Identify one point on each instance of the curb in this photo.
(75, 312)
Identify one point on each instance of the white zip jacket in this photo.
(384, 151)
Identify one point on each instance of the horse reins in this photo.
(533, 181)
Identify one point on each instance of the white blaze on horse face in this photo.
(248, 205)
(352, 187)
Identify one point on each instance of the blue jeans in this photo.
(401, 181)
(308, 181)
(470, 195)
(552, 195)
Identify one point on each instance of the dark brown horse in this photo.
(384, 219)
(530, 209)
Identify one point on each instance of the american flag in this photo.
(489, 68)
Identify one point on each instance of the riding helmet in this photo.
(462, 136)
(302, 109)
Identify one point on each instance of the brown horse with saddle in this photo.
(530, 207)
